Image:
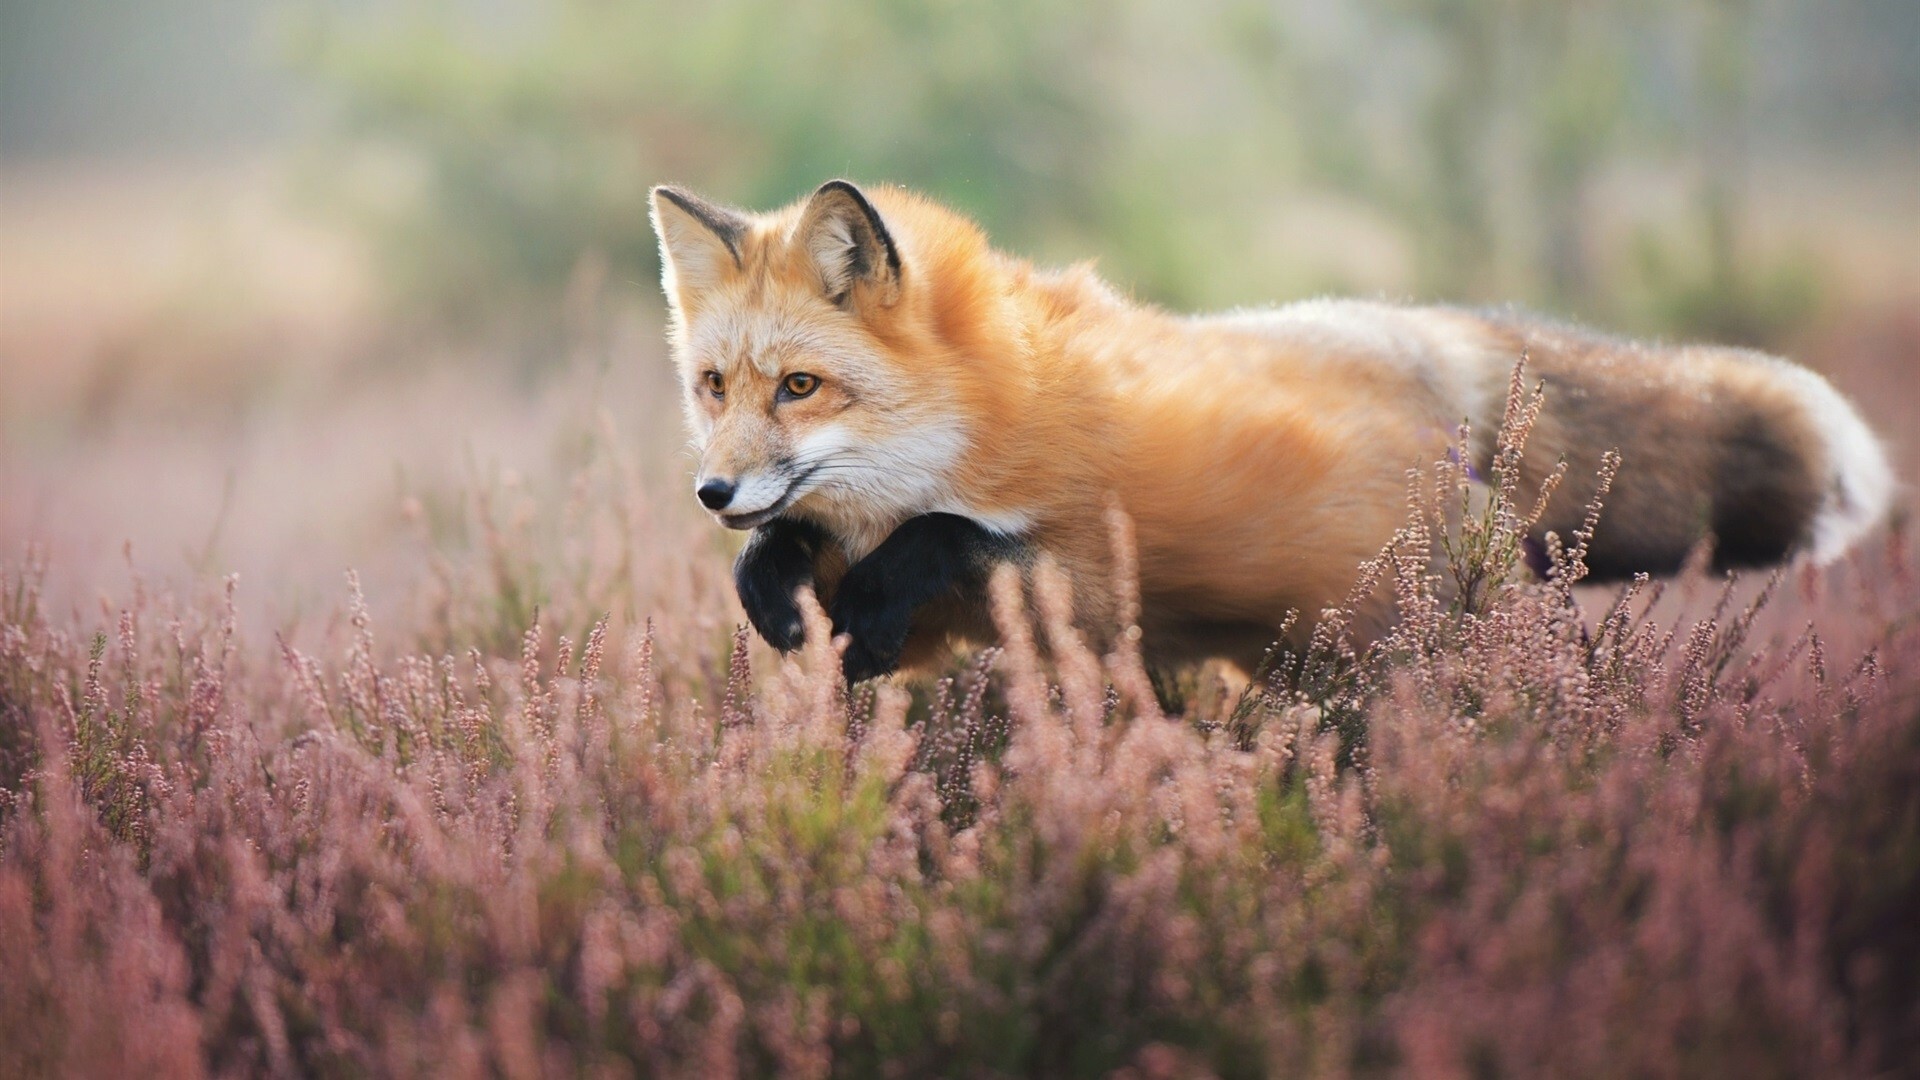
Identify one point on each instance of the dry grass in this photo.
(1538, 831)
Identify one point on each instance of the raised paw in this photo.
(776, 562)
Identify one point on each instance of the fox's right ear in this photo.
(850, 245)
(699, 242)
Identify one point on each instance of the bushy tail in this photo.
(1763, 455)
(1857, 483)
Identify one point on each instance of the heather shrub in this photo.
(1537, 829)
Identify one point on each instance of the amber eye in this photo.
(800, 384)
(716, 385)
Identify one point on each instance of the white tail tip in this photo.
(1860, 485)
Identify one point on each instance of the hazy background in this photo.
(292, 287)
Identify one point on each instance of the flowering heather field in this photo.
(1543, 830)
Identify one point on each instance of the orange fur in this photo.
(1262, 456)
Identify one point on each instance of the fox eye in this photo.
(716, 385)
(800, 384)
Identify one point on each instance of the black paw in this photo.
(926, 557)
(875, 619)
(776, 562)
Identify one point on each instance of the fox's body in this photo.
(1262, 455)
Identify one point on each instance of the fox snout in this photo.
(746, 473)
(748, 499)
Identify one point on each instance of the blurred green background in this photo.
(260, 257)
(1598, 158)
(1490, 149)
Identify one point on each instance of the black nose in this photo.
(715, 494)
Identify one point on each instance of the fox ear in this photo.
(699, 242)
(849, 244)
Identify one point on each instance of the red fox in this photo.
(893, 407)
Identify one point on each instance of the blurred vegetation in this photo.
(494, 161)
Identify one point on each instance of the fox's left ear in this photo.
(699, 242)
(850, 245)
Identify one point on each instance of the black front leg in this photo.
(777, 560)
(923, 559)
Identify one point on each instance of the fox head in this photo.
(828, 369)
